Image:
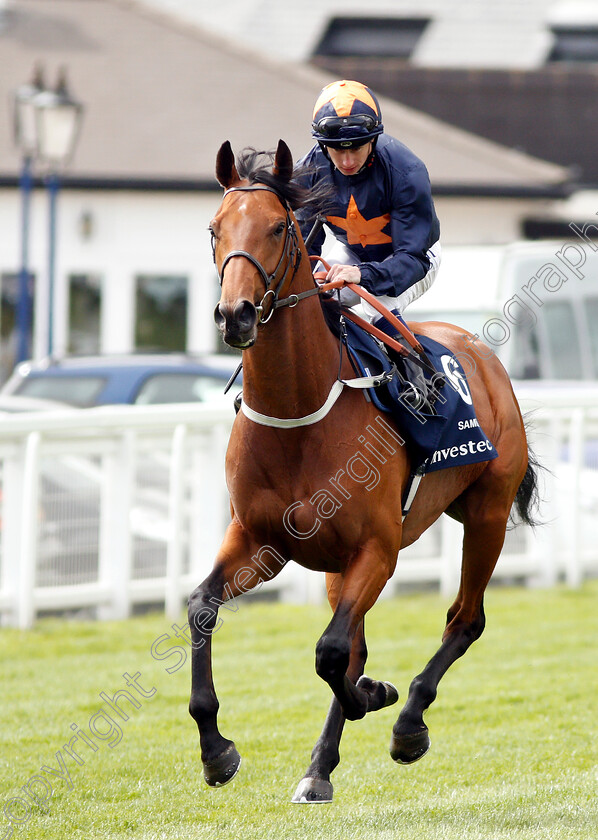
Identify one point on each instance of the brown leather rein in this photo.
(292, 252)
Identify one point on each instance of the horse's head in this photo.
(255, 246)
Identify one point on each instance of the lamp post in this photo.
(57, 120)
(26, 141)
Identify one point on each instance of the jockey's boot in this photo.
(415, 388)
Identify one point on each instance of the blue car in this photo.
(130, 380)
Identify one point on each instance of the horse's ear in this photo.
(283, 162)
(226, 171)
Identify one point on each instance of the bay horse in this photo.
(294, 439)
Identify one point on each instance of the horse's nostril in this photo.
(219, 317)
(245, 315)
(237, 322)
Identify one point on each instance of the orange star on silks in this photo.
(362, 231)
(342, 95)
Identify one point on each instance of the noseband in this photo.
(290, 252)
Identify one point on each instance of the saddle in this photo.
(451, 435)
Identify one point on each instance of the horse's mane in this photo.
(256, 167)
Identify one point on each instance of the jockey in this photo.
(383, 218)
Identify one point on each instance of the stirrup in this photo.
(418, 401)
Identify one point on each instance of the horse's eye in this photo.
(212, 232)
(279, 229)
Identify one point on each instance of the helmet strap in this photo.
(324, 149)
(370, 159)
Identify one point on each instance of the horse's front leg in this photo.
(361, 584)
(239, 567)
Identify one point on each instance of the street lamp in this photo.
(57, 123)
(26, 140)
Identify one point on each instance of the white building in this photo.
(511, 34)
(134, 267)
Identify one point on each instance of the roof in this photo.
(462, 33)
(161, 96)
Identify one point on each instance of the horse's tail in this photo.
(527, 499)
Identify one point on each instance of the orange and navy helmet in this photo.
(346, 114)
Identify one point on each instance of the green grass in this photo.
(514, 729)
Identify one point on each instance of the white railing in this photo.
(106, 509)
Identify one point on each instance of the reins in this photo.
(421, 359)
(292, 253)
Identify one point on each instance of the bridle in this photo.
(291, 253)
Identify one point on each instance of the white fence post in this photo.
(573, 571)
(176, 498)
(210, 505)
(115, 558)
(543, 542)
(12, 505)
(28, 541)
(451, 554)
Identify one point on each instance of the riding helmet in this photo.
(346, 114)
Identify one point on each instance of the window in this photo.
(85, 301)
(9, 298)
(563, 343)
(76, 390)
(178, 387)
(525, 353)
(591, 314)
(371, 36)
(161, 312)
(574, 43)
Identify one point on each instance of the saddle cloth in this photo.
(453, 437)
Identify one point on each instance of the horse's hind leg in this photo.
(484, 520)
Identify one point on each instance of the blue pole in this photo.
(23, 300)
(52, 197)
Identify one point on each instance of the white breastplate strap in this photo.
(309, 419)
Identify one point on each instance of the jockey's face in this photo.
(349, 161)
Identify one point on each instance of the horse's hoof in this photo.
(407, 749)
(223, 768)
(392, 695)
(381, 694)
(312, 791)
